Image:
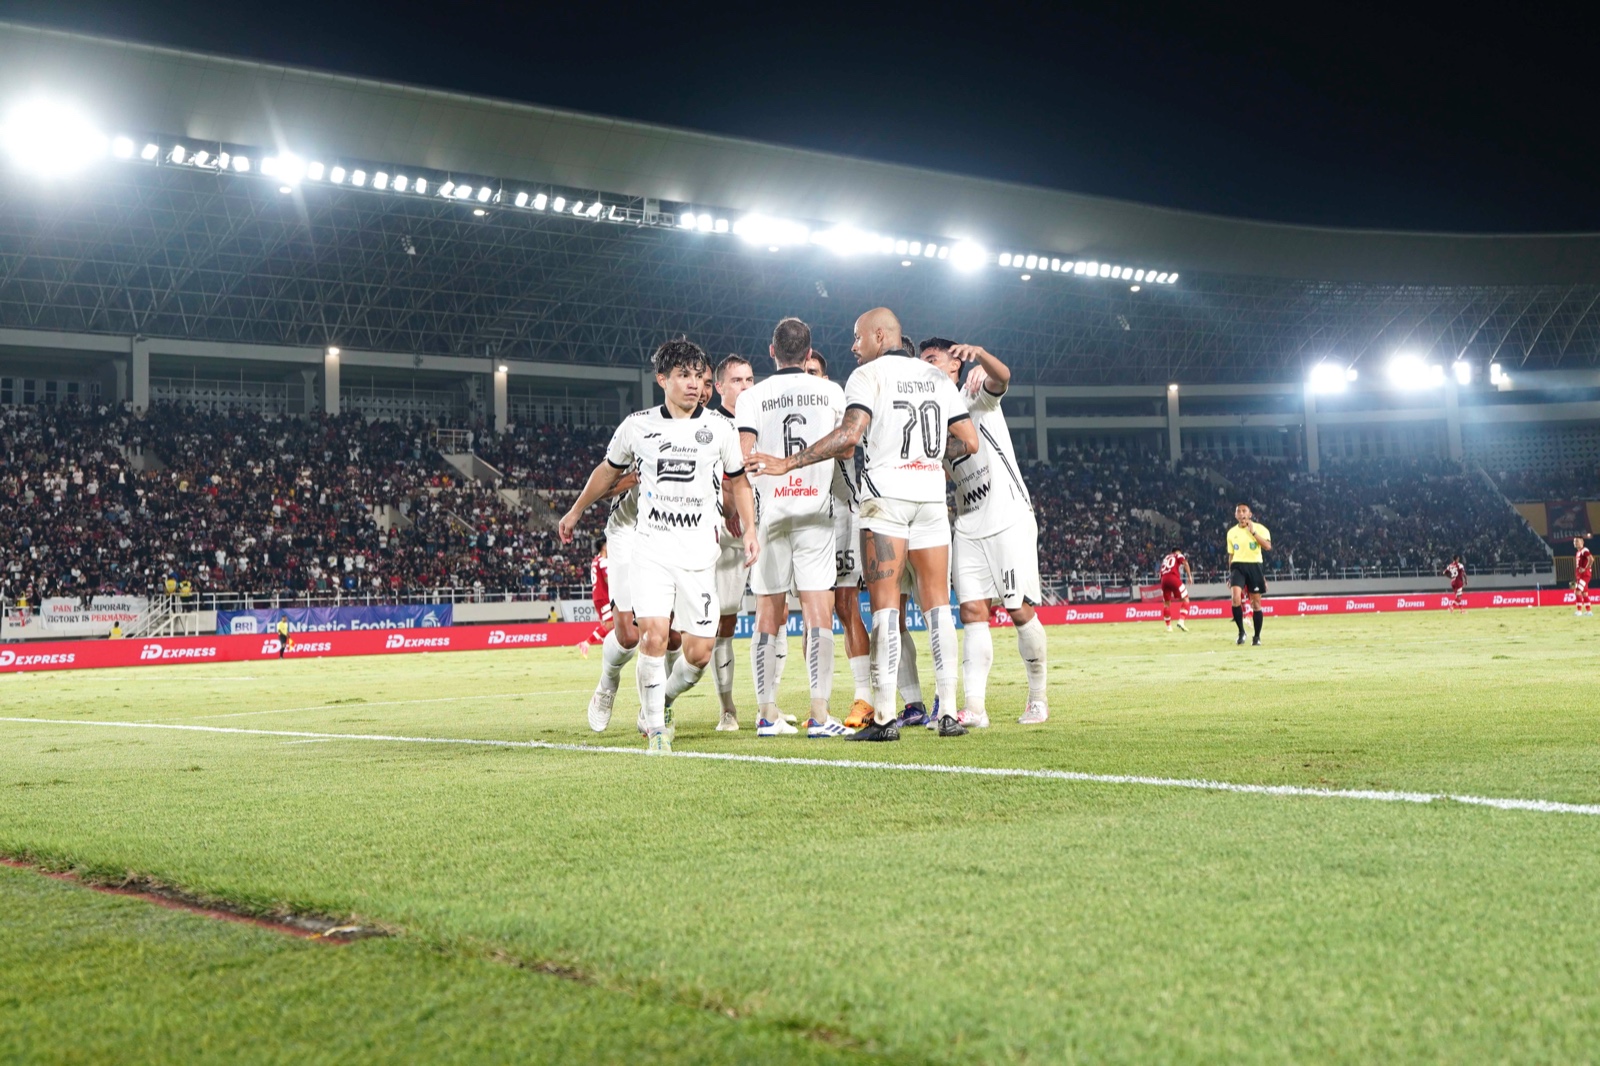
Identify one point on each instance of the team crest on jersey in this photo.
(675, 469)
(703, 436)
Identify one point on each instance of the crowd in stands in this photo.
(245, 503)
(1578, 482)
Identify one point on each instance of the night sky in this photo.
(1346, 116)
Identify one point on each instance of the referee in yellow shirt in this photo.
(1246, 541)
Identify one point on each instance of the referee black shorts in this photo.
(1248, 576)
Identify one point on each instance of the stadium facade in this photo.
(294, 241)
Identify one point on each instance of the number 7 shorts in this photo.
(661, 589)
(1003, 566)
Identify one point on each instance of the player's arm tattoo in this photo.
(879, 556)
(955, 448)
(838, 444)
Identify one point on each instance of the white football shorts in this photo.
(796, 553)
(920, 525)
(730, 576)
(688, 597)
(846, 547)
(1003, 566)
(619, 554)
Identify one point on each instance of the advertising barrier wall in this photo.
(336, 619)
(86, 654)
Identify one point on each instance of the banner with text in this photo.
(69, 618)
(336, 619)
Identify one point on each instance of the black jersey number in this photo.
(928, 417)
(793, 445)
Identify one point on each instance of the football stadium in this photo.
(1192, 650)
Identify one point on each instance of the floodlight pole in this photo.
(1452, 419)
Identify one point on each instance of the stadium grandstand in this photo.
(284, 333)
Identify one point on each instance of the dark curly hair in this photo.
(680, 352)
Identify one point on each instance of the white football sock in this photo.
(613, 657)
(819, 664)
(722, 670)
(671, 658)
(885, 663)
(942, 641)
(780, 655)
(910, 684)
(1031, 645)
(764, 668)
(653, 690)
(977, 658)
(683, 677)
(861, 670)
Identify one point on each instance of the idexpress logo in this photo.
(1403, 604)
(1075, 615)
(299, 647)
(500, 636)
(1200, 610)
(1360, 605)
(1514, 600)
(400, 640)
(157, 653)
(1310, 606)
(675, 469)
(1135, 613)
(60, 658)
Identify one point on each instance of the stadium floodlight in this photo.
(484, 194)
(1173, 387)
(332, 352)
(336, 175)
(967, 256)
(502, 369)
(358, 178)
(241, 164)
(559, 204)
(1330, 377)
(521, 200)
(1079, 267)
(595, 209)
(901, 247)
(915, 248)
(1091, 269)
(771, 232)
(287, 167)
(462, 192)
(686, 220)
(1497, 374)
(1027, 277)
(200, 158)
(905, 262)
(223, 159)
(315, 171)
(1138, 275)
(1409, 372)
(380, 180)
(421, 187)
(1172, 279)
(705, 223)
(1463, 372)
(51, 138)
(447, 188)
(178, 154)
(539, 201)
(1031, 262)
(845, 240)
(1133, 288)
(479, 212)
(1105, 270)
(122, 147)
(930, 250)
(400, 182)
(1005, 259)
(149, 152)
(1055, 265)
(577, 208)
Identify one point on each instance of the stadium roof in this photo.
(172, 251)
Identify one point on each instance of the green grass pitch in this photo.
(561, 906)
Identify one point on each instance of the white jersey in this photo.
(912, 405)
(990, 495)
(788, 412)
(681, 464)
(624, 514)
(724, 538)
(847, 484)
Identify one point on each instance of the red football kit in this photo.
(1172, 586)
(600, 579)
(1583, 573)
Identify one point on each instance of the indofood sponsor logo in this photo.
(1075, 615)
(1308, 607)
(1360, 605)
(1402, 603)
(500, 636)
(400, 640)
(1501, 600)
(1134, 613)
(60, 658)
(155, 652)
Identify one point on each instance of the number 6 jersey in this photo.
(912, 405)
(788, 412)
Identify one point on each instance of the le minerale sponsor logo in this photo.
(159, 653)
(60, 658)
(500, 636)
(400, 640)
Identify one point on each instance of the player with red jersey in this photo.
(1456, 571)
(1175, 578)
(600, 581)
(1582, 572)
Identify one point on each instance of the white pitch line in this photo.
(1377, 795)
(375, 703)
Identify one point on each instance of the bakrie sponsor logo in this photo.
(500, 636)
(159, 653)
(400, 640)
(60, 658)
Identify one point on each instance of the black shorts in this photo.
(1248, 576)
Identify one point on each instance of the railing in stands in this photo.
(268, 601)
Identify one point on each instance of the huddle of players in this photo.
(821, 491)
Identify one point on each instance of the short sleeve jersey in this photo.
(912, 405)
(681, 463)
(989, 496)
(725, 539)
(1457, 573)
(1243, 547)
(624, 514)
(788, 412)
(1583, 562)
(1172, 566)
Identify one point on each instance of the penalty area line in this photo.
(1075, 776)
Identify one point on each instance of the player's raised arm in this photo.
(961, 439)
(838, 444)
(997, 376)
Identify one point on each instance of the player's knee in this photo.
(974, 611)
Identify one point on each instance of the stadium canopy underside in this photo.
(200, 254)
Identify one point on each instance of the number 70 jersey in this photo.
(913, 405)
(788, 412)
